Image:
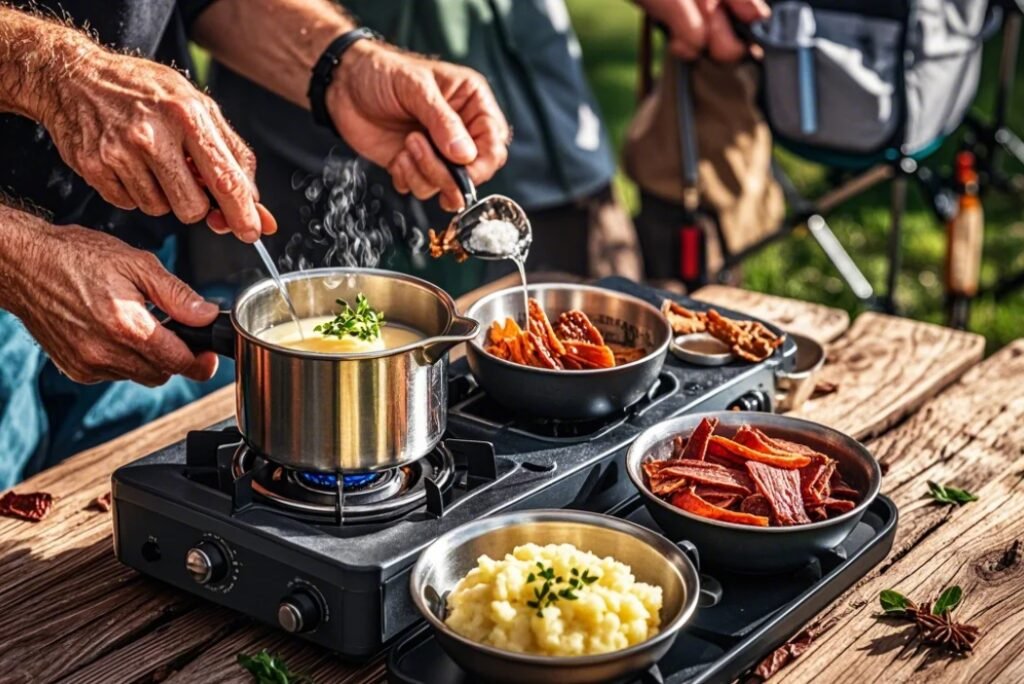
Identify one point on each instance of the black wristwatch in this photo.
(323, 73)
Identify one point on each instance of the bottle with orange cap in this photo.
(964, 233)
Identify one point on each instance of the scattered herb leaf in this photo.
(949, 495)
(362, 322)
(267, 668)
(949, 600)
(893, 602)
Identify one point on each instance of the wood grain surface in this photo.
(884, 368)
(972, 436)
(73, 613)
(817, 321)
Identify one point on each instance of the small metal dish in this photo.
(701, 349)
(652, 558)
(797, 385)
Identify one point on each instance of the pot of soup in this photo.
(338, 388)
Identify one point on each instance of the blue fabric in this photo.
(45, 417)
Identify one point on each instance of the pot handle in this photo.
(462, 329)
(218, 337)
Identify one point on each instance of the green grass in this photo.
(795, 267)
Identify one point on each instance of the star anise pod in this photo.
(953, 636)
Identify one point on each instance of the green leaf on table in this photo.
(949, 495)
(267, 668)
(949, 600)
(893, 602)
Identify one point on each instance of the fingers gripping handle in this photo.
(218, 337)
(459, 174)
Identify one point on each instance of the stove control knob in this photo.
(206, 563)
(298, 612)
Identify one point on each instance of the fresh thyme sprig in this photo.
(363, 322)
(550, 593)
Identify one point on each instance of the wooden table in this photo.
(920, 395)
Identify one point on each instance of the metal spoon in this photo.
(491, 207)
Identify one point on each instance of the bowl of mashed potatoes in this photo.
(553, 595)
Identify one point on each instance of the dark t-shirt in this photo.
(30, 166)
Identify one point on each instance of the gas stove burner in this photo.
(366, 497)
(329, 481)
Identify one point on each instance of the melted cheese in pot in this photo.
(287, 335)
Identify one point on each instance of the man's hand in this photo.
(144, 137)
(82, 295)
(381, 101)
(696, 25)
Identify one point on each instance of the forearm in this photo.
(17, 250)
(35, 55)
(272, 42)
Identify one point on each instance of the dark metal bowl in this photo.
(652, 558)
(571, 394)
(744, 548)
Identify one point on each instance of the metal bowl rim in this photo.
(660, 351)
(668, 551)
(636, 454)
(313, 273)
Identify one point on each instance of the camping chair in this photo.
(878, 86)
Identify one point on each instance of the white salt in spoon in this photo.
(492, 228)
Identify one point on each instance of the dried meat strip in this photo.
(731, 479)
(692, 503)
(718, 497)
(683, 320)
(32, 506)
(697, 445)
(841, 489)
(741, 454)
(782, 489)
(756, 504)
(575, 326)
(815, 479)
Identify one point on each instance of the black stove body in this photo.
(208, 517)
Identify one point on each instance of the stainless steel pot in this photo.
(743, 548)
(334, 412)
(653, 559)
(571, 394)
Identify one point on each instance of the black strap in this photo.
(323, 73)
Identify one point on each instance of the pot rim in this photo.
(675, 556)
(660, 351)
(642, 444)
(268, 283)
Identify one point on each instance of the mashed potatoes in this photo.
(598, 605)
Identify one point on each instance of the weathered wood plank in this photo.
(150, 657)
(218, 662)
(979, 550)
(885, 368)
(969, 436)
(817, 321)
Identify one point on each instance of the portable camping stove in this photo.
(328, 556)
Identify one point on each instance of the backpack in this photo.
(867, 78)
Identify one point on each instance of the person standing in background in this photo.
(560, 165)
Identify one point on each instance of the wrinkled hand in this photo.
(82, 294)
(131, 128)
(698, 25)
(382, 100)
